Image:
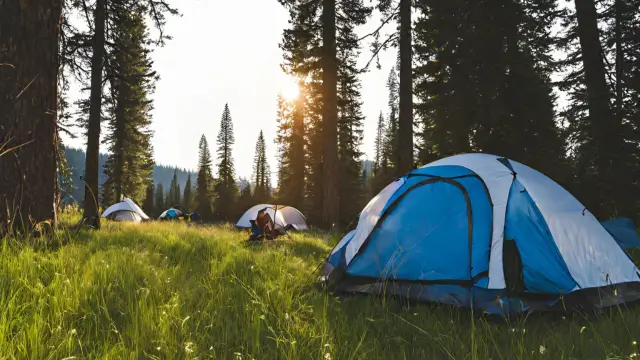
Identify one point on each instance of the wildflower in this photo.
(187, 347)
(634, 343)
(158, 348)
(327, 356)
(415, 314)
(262, 317)
(542, 349)
(73, 331)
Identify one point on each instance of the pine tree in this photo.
(204, 196)
(350, 118)
(103, 51)
(226, 189)
(29, 34)
(130, 162)
(159, 202)
(601, 94)
(291, 154)
(174, 190)
(400, 10)
(391, 147)
(506, 108)
(330, 162)
(379, 144)
(261, 173)
(187, 198)
(149, 198)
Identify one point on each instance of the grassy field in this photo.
(169, 291)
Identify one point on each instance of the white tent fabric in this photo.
(124, 215)
(286, 215)
(577, 233)
(369, 217)
(124, 206)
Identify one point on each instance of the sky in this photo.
(227, 52)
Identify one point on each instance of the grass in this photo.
(169, 291)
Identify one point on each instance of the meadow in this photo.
(173, 291)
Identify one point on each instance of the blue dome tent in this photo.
(482, 231)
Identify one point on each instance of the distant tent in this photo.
(286, 215)
(126, 210)
(623, 231)
(485, 232)
(171, 214)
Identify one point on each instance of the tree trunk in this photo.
(29, 31)
(330, 198)
(93, 131)
(405, 116)
(619, 59)
(297, 149)
(603, 125)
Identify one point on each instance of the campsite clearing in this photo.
(167, 290)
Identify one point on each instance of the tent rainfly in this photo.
(126, 210)
(286, 215)
(485, 232)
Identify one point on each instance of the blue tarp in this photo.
(623, 231)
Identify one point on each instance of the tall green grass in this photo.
(170, 291)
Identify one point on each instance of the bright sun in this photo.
(290, 90)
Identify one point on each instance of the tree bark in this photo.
(93, 130)
(603, 126)
(29, 31)
(297, 149)
(597, 93)
(330, 185)
(619, 59)
(405, 116)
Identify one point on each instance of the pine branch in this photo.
(385, 22)
(383, 46)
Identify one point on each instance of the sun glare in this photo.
(290, 90)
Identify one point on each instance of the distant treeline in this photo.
(162, 174)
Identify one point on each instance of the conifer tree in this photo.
(379, 144)
(601, 93)
(132, 82)
(261, 172)
(174, 190)
(350, 118)
(149, 198)
(159, 203)
(391, 148)
(29, 34)
(226, 188)
(291, 159)
(204, 196)
(99, 17)
(187, 198)
(506, 108)
(401, 12)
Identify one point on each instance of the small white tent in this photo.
(126, 210)
(286, 215)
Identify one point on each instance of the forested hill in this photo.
(76, 158)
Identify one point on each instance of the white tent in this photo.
(126, 210)
(286, 215)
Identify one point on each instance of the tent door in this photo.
(512, 265)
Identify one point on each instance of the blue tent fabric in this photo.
(623, 231)
(440, 236)
(544, 269)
